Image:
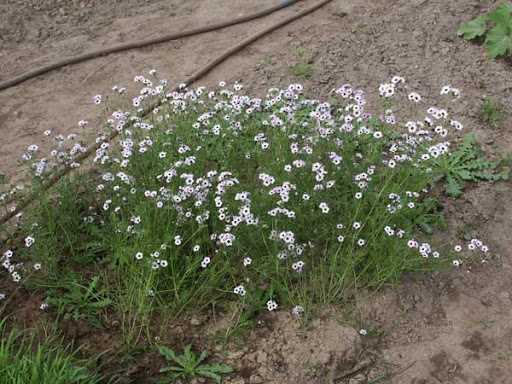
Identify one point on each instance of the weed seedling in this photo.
(188, 365)
(303, 68)
(492, 113)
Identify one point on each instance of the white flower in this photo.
(412, 244)
(239, 290)
(297, 311)
(271, 305)
(29, 241)
(445, 90)
(363, 332)
(415, 97)
(205, 262)
(324, 207)
(97, 99)
(389, 231)
(298, 266)
(247, 261)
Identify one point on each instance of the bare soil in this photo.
(451, 327)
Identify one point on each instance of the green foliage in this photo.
(303, 70)
(77, 301)
(66, 236)
(23, 361)
(496, 26)
(188, 365)
(467, 163)
(492, 113)
(430, 216)
(153, 221)
(474, 28)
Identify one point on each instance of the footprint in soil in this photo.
(476, 344)
(446, 368)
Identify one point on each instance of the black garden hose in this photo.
(200, 73)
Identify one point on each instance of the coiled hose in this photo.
(200, 73)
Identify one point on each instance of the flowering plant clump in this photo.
(218, 194)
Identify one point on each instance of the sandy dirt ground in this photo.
(452, 327)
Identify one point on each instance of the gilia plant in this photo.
(217, 194)
(495, 27)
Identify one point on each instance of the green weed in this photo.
(467, 163)
(303, 70)
(496, 29)
(23, 361)
(188, 365)
(492, 113)
(77, 300)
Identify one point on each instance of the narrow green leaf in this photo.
(211, 375)
(427, 228)
(203, 356)
(219, 368)
(167, 353)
